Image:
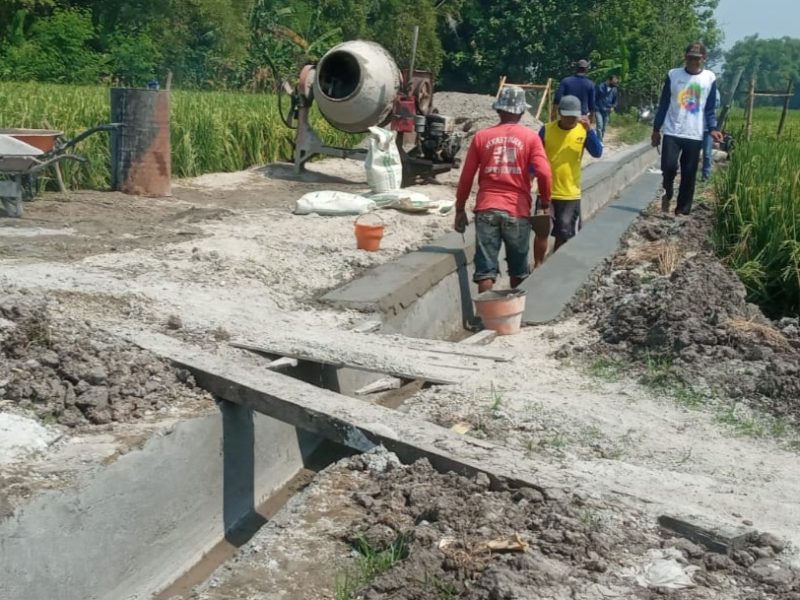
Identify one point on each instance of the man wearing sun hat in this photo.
(685, 112)
(506, 157)
(564, 142)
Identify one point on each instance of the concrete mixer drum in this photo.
(355, 86)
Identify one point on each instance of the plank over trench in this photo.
(347, 421)
(408, 358)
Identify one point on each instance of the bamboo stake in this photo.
(500, 87)
(545, 94)
(785, 106)
(751, 96)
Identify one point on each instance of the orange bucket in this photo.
(368, 237)
(501, 310)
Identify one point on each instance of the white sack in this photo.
(332, 203)
(383, 165)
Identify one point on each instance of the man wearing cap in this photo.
(685, 112)
(505, 157)
(564, 142)
(580, 86)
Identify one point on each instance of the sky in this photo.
(768, 18)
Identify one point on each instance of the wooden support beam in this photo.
(789, 95)
(347, 421)
(748, 130)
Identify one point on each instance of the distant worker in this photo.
(580, 86)
(708, 147)
(606, 103)
(503, 156)
(685, 111)
(564, 142)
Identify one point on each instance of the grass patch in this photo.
(371, 563)
(608, 369)
(628, 129)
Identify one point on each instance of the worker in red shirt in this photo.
(506, 157)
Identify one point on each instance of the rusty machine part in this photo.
(357, 85)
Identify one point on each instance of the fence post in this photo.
(786, 102)
(751, 96)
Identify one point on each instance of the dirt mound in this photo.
(665, 297)
(459, 538)
(64, 371)
(473, 112)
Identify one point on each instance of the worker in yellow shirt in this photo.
(564, 143)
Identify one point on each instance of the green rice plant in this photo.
(210, 131)
(757, 228)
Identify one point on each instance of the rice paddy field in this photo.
(757, 227)
(211, 131)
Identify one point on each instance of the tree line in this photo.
(254, 44)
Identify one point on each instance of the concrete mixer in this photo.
(358, 85)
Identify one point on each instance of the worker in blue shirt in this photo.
(580, 86)
(606, 103)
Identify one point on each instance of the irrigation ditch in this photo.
(158, 503)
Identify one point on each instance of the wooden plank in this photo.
(480, 339)
(346, 341)
(714, 536)
(353, 423)
(417, 365)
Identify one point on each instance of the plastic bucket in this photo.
(501, 310)
(368, 237)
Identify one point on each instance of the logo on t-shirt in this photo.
(689, 98)
(504, 155)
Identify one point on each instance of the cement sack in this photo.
(403, 200)
(383, 165)
(332, 203)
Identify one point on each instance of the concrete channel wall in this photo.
(422, 293)
(125, 530)
(428, 293)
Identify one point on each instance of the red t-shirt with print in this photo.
(503, 156)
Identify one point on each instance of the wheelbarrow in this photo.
(24, 153)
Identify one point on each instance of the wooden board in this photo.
(353, 423)
(408, 358)
(716, 537)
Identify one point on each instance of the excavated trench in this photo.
(167, 532)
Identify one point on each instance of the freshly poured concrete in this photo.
(563, 273)
(126, 526)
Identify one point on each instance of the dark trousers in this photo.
(673, 150)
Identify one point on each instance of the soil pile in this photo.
(461, 538)
(64, 371)
(665, 298)
(473, 112)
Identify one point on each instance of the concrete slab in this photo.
(555, 283)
